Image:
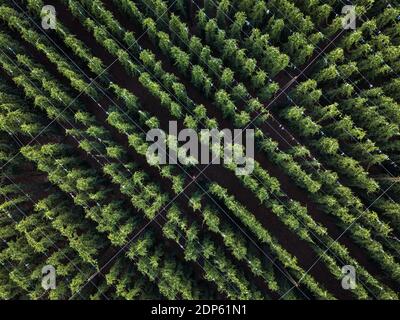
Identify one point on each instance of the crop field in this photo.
(311, 213)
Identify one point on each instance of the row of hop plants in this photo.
(358, 170)
(114, 117)
(136, 199)
(89, 191)
(64, 223)
(380, 123)
(390, 14)
(85, 183)
(392, 17)
(35, 234)
(385, 20)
